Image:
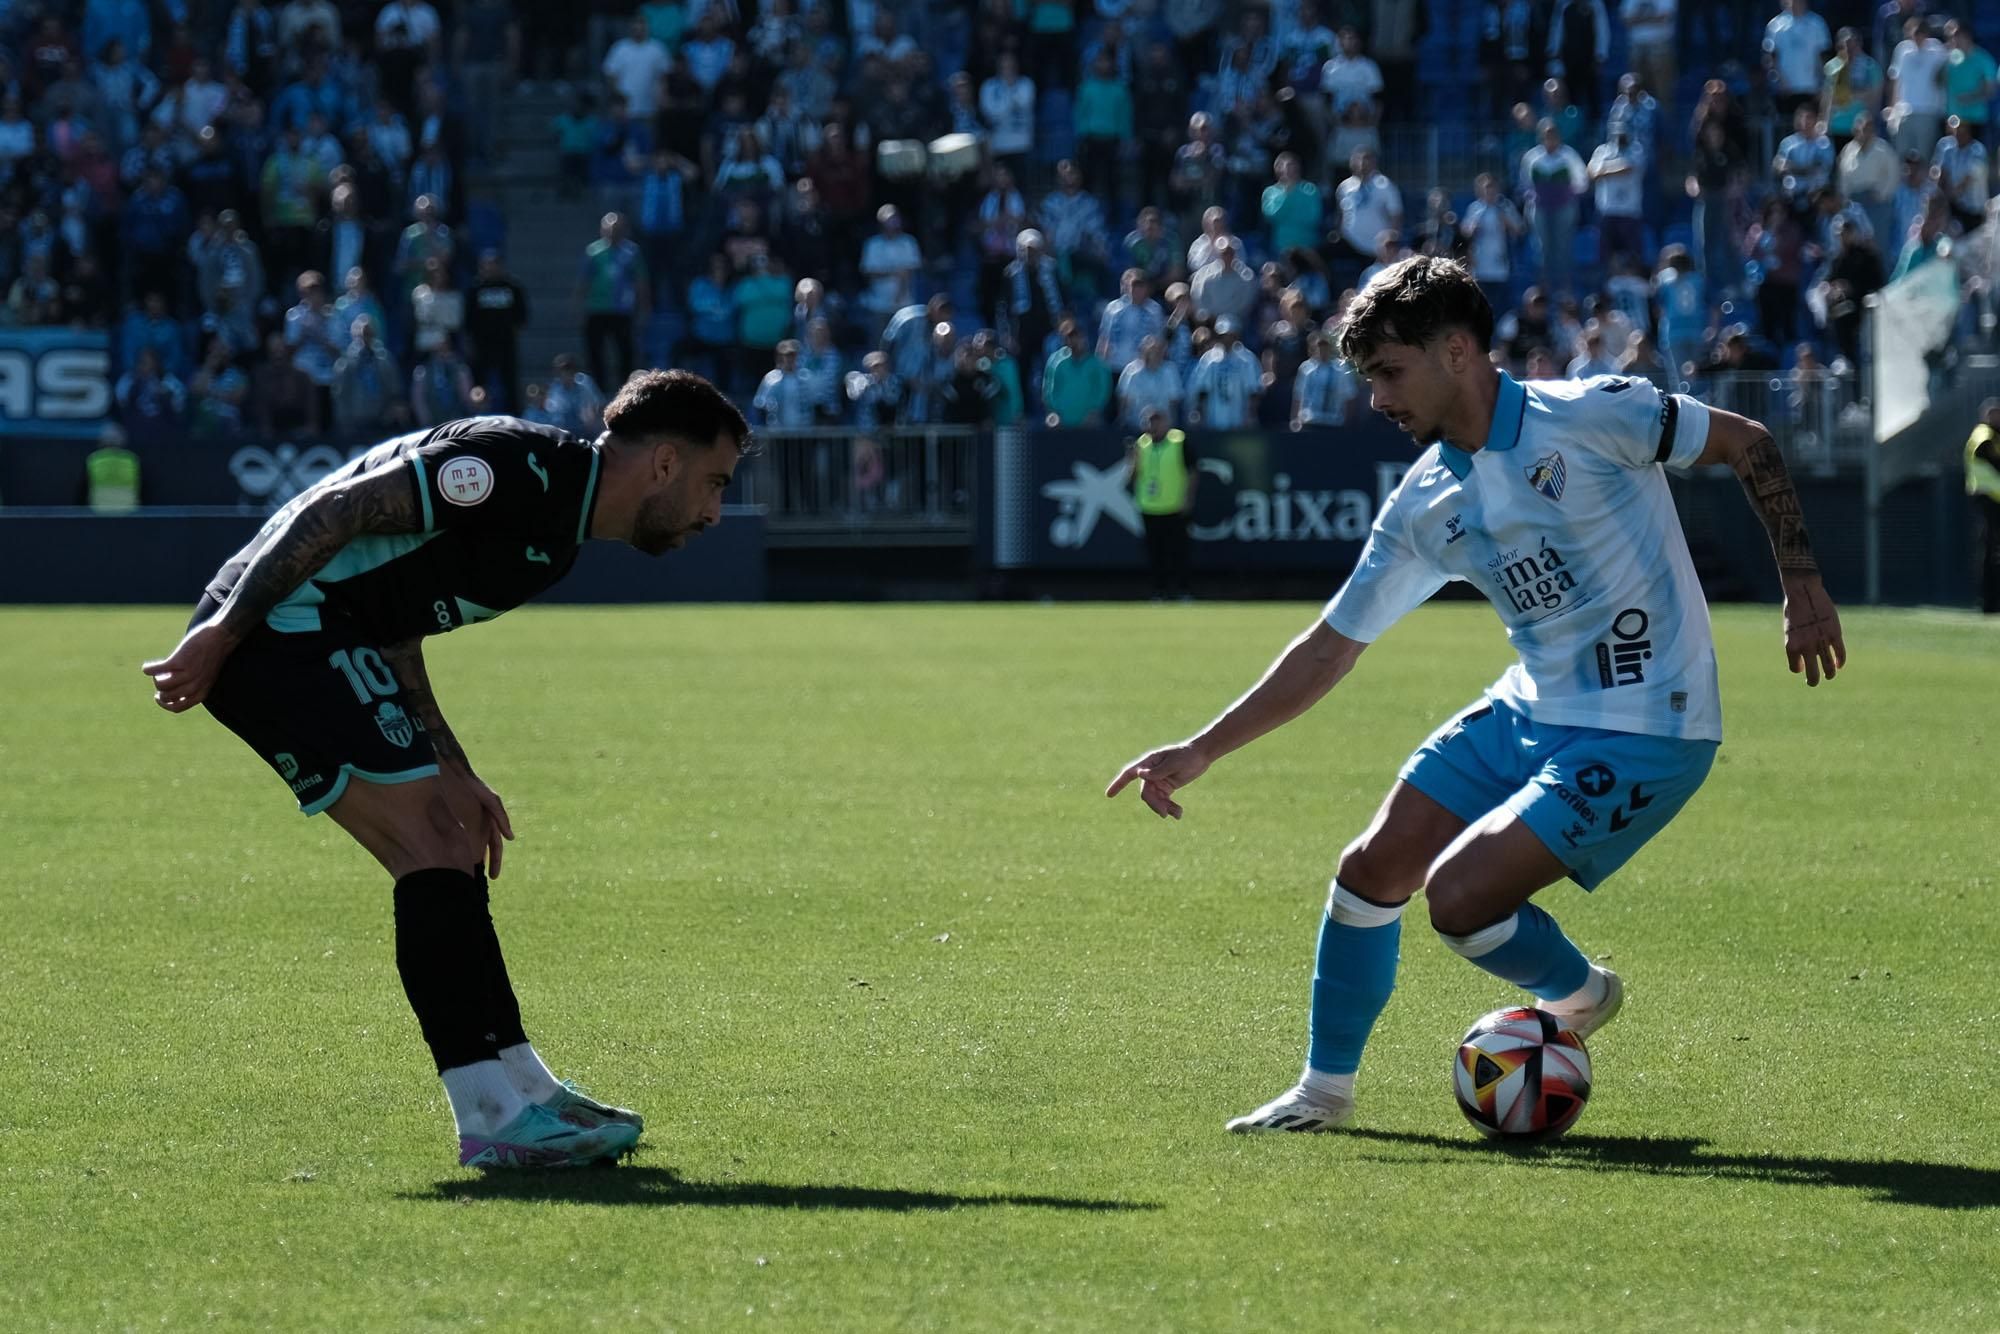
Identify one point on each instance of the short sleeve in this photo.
(501, 475)
(1389, 581)
(1629, 421)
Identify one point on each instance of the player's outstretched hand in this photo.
(1160, 774)
(184, 677)
(1812, 631)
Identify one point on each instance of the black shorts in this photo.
(321, 707)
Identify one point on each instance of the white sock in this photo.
(483, 1098)
(1326, 1085)
(532, 1079)
(1592, 992)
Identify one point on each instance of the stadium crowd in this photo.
(892, 211)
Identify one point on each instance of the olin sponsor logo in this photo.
(1622, 659)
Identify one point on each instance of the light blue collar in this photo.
(1510, 408)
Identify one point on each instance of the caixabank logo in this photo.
(53, 382)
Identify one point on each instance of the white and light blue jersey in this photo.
(1564, 521)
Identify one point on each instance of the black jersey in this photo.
(505, 502)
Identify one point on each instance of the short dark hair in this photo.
(1412, 302)
(676, 403)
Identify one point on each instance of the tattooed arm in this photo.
(470, 799)
(1812, 626)
(306, 535)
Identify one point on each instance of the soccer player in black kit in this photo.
(309, 645)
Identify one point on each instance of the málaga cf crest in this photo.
(1547, 475)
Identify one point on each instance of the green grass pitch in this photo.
(931, 1036)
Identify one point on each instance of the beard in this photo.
(663, 526)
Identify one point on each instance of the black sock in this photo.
(503, 1011)
(442, 935)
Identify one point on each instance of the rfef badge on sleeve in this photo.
(466, 480)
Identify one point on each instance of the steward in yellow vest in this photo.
(1163, 483)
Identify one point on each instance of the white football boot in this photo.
(1593, 1017)
(1297, 1109)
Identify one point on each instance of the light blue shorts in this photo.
(1594, 797)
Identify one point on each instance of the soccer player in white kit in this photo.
(1550, 498)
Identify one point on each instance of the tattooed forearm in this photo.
(310, 531)
(1761, 469)
(407, 661)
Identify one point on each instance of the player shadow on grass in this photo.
(1892, 1181)
(664, 1187)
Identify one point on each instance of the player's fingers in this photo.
(494, 847)
(1839, 649)
(1829, 662)
(1118, 784)
(1812, 669)
(500, 818)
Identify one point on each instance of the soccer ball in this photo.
(1521, 1074)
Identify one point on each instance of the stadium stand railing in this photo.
(904, 486)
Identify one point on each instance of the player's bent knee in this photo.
(1456, 907)
(1381, 875)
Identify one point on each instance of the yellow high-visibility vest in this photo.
(1163, 478)
(1981, 477)
(113, 474)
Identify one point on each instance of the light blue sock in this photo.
(1352, 977)
(1529, 950)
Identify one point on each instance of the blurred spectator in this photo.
(1851, 89)
(1073, 221)
(1324, 391)
(313, 339)
(1291, 206)
(1076, 386)
(1002, 213)
(573, 400)
(1351, 79)
(1103, 126)
(1650, 40)
(441, 388)
(1854, 272)
(973, 395)
(356, 300)
(712, 319)
(1868, 176)
(1917, 86)
(875, 393)
(1796, 46)
(1683, 301)
(292, 184)
(906, 339)
(1490, 226)
(486, 48)
(319, 144)
(1034, 296)
(36, 297)
(407, 35)
(1370, 204)
(1228, 383)
(1150, 249)
(1805, 158)
(613, 293)
(1201, 167)
(152, 233)
(494, 319)
(1552, 177)
(213, 182)
(1149, 383)
(218, 391)
(150, 401)
(437, 309)
(1214, 226)
(787, 397)
(283, 399)
(820, 361)
(635, 64)
(890, 261)
(1579, 44)
(1969, 74)
(1642, 358)
(1129, 321)
(1776, 246)
(126, 90)
(1158, 117)
(367, 386)
(1618, 189)
(575, 130)
(1958, 164)
(1929, 239)
(148, 326)
(389, 135)
(1913, 196)
(1389, 249)
(1225, 286)
(1524, 328)
(763, 301)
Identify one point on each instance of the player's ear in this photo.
(666, 460)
